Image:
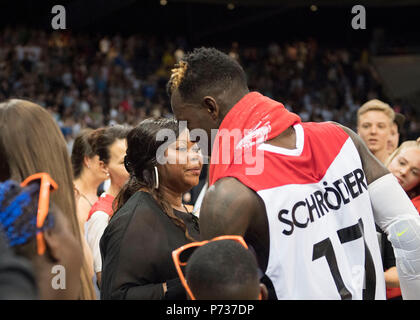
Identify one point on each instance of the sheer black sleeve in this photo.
(136, 251)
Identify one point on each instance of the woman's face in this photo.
(184, 164)
(97, 167)
(116, 168)
(406, 168)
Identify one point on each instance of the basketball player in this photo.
(305, 196)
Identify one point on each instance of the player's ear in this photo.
(210, 104)
(263, 292)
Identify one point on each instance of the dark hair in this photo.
(205, 68)
(101, 140)
(18, 215)
(82, 148)
(222, 269)
(140, 160)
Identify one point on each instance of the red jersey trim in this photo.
(322, 143)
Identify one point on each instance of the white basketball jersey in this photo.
(323, 242)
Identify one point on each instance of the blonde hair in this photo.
(405, 145)
(31, 142)
(376, 105)
(177, 74)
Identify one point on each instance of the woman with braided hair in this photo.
(151, 220)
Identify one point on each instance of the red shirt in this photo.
(416, 202)
(104, 203)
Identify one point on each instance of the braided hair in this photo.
(140, 160)
(18, 213)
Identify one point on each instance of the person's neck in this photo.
(87, 183)
(286, 139)
(381, 155)
(174, 198)
(233, 97)
(113, 190)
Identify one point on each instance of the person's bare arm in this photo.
(228, 209)
(391, 278)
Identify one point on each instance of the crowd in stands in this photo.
(95, 80)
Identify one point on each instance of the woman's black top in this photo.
(136, 250)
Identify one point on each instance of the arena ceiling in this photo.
(298, 3)
(207, 21)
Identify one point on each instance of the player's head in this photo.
(204, 85)
(224, 270)
(59, 247)
(375, 121)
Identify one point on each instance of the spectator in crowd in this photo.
(374, 125)
(47, 245)
(378, 127)
(110, 145)
(85, 81)
(31, 142)
(89, 172)
(231, 273)
(404, 164)
(151, 220)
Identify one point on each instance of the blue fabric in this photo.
(18, 228)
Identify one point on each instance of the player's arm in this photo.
(228, 209)
(395, 214)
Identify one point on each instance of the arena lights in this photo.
(230, 6)
(313, 8)
(163, 2)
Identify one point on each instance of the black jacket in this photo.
(136, 250)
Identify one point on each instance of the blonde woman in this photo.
(404, 164)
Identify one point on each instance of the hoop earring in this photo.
(157, 178)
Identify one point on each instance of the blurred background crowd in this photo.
(87, 80)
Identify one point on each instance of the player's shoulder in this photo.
(325, 136)
(326, 128)
(228, 208)
(230, 188)
(373, 168)
(357, 140)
